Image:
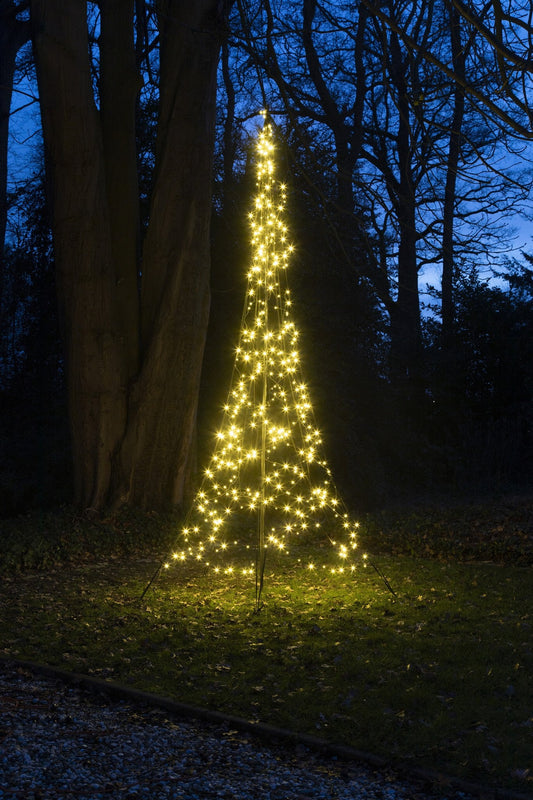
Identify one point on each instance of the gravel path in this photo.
(59, 741)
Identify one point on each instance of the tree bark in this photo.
(133, 373)
(86, 277)
(157, 453)
(119, 88)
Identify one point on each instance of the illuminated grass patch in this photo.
(438, 677)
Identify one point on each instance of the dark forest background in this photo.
(421, 393)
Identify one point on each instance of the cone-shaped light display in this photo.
(267, 485)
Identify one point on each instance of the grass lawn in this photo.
(438, 675)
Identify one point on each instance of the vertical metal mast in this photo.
(265, 187)
(262, 508)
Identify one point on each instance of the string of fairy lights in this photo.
(267, 484)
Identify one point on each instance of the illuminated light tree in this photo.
(267, 484)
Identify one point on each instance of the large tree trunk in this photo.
(160, 441)
(86, 277)
(119, 87)
(133, 373)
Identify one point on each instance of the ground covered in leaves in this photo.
(437, 674)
